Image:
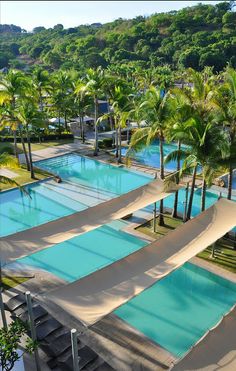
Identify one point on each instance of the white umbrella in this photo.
(55, 120)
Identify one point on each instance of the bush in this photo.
(105, 143)
(7, 149)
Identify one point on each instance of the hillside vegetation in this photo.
(203, 35)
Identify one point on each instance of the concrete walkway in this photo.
(50, 152)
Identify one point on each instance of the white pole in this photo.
(74, 345)
(32, 328)
(4, 320)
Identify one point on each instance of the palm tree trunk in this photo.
(59, 122)
(190, 204)
(40, 100)
(116, 138)
(15, 145)
(119, 156)
(95, 126)
(230, 181)
(161, 217)
(203, 196)
(30, 157)
(175, 208)
(24, 150)
(66, 128)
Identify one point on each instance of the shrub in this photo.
(105, 143)
(7, 149)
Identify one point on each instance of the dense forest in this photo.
(199, 36)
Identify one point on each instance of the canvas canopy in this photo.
(94, 296)
(25, 242)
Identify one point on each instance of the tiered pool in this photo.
(176, 311)
(179, 309)
(84, 179)
(150, 155)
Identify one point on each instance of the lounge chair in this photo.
(15, 302)
(38, 313)
(43, 329)
(57, 345)
(85, 354)
(104, 367)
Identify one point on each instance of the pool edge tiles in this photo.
(183, 314)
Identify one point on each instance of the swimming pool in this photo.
(95, 174)
(85, 183)
(84, 254)
(179, 309)
(150, 155)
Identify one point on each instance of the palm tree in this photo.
(154, 111)
(207, 144)
(29, 117)
(179, 114)
(12, 86)
(82, 103)
(94, 86)
(42, 84)
(225, 100)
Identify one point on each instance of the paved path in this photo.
(49, 152)
(10, 174)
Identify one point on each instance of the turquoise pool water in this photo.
(47, 201)
(95, 174)
(179, 309)
(19, 212)
(150, 155)
(84, 254)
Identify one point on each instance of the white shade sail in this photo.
(98, 294)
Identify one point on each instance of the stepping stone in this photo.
(46, 328)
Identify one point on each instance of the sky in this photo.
(29, 14)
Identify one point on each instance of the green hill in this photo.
(192, 37)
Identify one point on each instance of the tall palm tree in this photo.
(207, 145)
(29, 117)
(179, 114)
(225, 100)
(94, 86)
(154, 111)
(12, 86)
(42, 84)
(82, 103)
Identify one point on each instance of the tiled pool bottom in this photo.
(179, 309)
(84, 254)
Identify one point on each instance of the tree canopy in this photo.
(191, 37)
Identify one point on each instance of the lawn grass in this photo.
(225, 254)
(36, 146)
(23, 177)
(9, 282)
(170, 224)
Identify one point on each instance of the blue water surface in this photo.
(46, 202)
(84, 254)
(179, 309)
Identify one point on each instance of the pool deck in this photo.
(123, 347)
